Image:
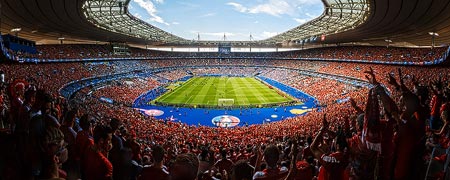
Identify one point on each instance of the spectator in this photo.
(333, 164)
(23, 128)
(117, 143)
(128, 168)
(404, 158)
(38, 125)
(272, 171)
(70, 138)
(435, 104)
(185, 167)
(97, 163)
(206, 160)
(157, 170)
(224, 164)
(16, 102)
(242, 170)
(24, 115)
(55, 154)
(84, 140)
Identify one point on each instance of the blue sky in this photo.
(236, 18)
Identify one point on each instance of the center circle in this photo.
(154, 112)
(225, 121)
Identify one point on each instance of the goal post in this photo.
(225, 102)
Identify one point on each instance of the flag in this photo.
(371, 134)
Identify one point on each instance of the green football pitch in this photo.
(223, 91)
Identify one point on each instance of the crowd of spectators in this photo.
(386, 132)
(125, 91)
(227, 71)
(370, 53)
(173, 75)
(73, 51)
(365, 53)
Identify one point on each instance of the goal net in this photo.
(225, 102)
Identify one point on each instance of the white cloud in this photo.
(310, 15)
(266, 34)
(175, 23)
(137, 15)
(208, 15)
(159, 1)
(301, 21)
(238, 7)
(151, 10)
(159, 20)
(274, 7)
(188, 4)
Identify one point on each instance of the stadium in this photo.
(113, 89)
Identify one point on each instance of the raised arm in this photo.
(388, 103)
(355, 106)
(392, 81)
(259, 157)
(415, 82)
(293, 169)
(315, 144)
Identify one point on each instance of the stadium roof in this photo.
(112, 15)
(339, 15)
(412, 22)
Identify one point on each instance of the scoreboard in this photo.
(224, 48)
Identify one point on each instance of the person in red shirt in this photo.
(363, 159)
(333, 164)
(435, 104)
(304, 170)
(443, 132)
(224, 163)
(307, 150)
(157, 170)
(272, 171)
(443, 140)
(83, 141)
(16, 103)
(300, 168)
(185, 167)
(409, 138)
(97, 163)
